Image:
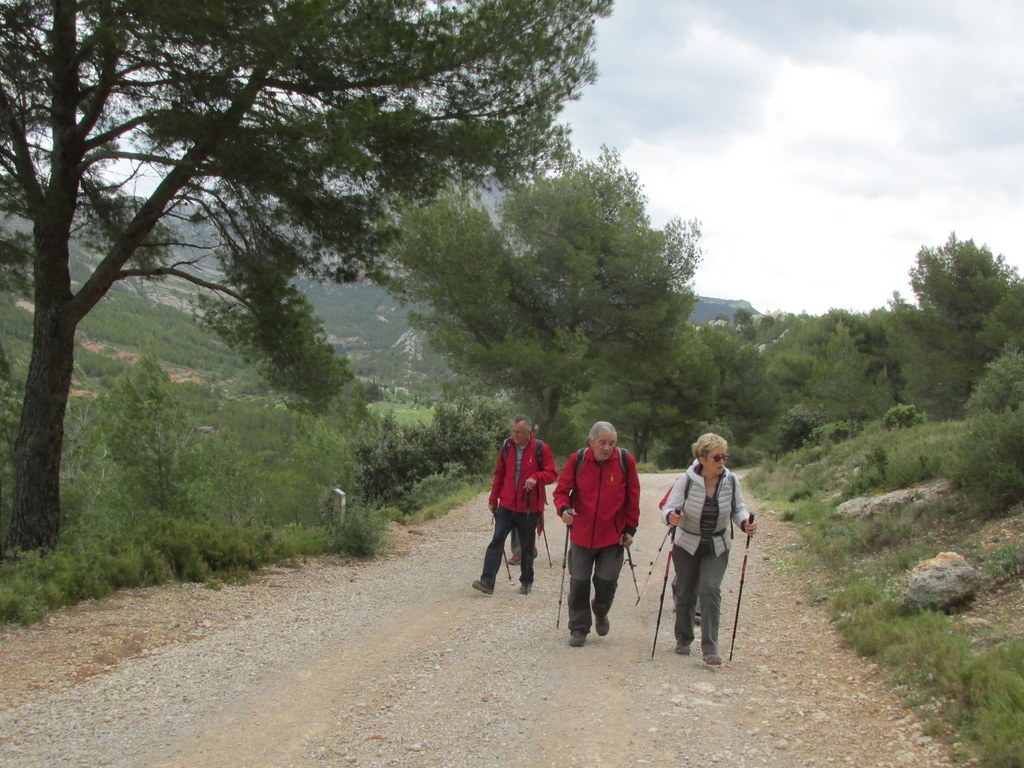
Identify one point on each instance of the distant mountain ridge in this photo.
(708, 309)
(363, 322)
(370, 328)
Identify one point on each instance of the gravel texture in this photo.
(399, 662)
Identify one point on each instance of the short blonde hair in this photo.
(707, 443)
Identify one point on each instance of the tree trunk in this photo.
(547, 404)
(35, 504)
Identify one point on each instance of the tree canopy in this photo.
(237, 145)
(552, 285)
(970, 305)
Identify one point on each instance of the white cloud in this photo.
(820, 145)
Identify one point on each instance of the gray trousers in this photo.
(603, 566)
(699, 576)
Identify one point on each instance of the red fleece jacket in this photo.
(606, 504)
(510, 495)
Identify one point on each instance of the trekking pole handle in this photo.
(571, 513)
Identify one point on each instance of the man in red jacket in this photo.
(524, 466)
(600, 502)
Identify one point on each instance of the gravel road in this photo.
(399, 662)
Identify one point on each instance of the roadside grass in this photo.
(158, 550)
(970, 694)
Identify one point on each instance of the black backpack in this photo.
(506, 446)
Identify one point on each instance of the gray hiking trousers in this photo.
(603, 566)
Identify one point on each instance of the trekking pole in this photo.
(632, 569)
(543, 528)
(565, 559)
(739, 597)
(663, 540)
(664, 584)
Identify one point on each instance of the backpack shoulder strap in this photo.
(539, 456)
(576, 466)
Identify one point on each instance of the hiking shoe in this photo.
(515, 560)
(524, 589)
(577, 639)
(483, 586)
(683, 649)
(713, 660)
(601, 624)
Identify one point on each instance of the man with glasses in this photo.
(700, 506)
(524, 466)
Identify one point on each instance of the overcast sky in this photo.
(820, 144)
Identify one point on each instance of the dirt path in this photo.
(400, 663)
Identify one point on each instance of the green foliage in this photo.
(565, 287)
(155, 551)
(833, 432)
(124, 322)
(797, 426)
(406, 465)
(977, 690)
(1001, 388)
(969, 307)
(1006, 563)
(902, 416)
(391, 514)
(369, 125)
(992, 687)
(299, 361)
(362, 533)
(990, 465)
(146, 433)
(743, 397)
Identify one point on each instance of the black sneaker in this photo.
(577, 639)
(683, 649)
(601, 624)
(524, 589)
(482, 586)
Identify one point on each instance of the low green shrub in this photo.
(902, 417)
(990, 462)
(797, 425)
(833, 432)
(391, 514)
(362, 533)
